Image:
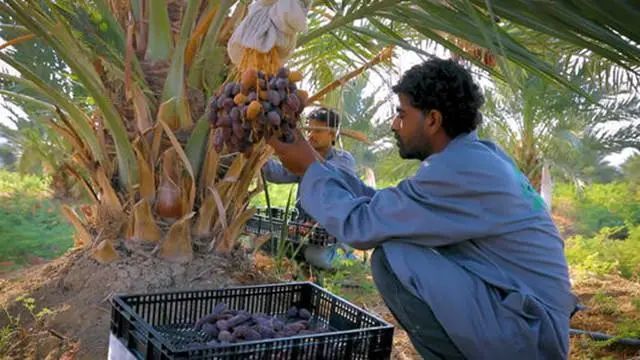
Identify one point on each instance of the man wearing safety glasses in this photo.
(322, 132)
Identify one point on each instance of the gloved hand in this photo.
(326, 257)
(320, 256)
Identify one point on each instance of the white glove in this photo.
(269, 24)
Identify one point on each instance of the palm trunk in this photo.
(144, 153)
(530, 163)
(186, 196)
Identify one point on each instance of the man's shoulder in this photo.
(468, 158)
(342, 153)
(343, 156)
(343, 159)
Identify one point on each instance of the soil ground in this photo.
(77, 290)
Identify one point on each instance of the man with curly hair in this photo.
(467, 257)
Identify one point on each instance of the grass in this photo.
(278, 194)
(352, 281)
(31, 225)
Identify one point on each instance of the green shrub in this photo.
(598, 206)
(591, 218)
(12, 182)
(618, 198)
(606, 304)
(602, 254)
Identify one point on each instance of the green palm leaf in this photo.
(75, 56)
(79, 119)
(160, 37)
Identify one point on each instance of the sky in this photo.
(405, 59)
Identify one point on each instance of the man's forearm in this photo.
(424, 210)
(349, 187)
(276, 173)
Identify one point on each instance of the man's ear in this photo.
(333, 135)
(433, 121)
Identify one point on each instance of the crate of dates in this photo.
(299, 229)
(298, 320)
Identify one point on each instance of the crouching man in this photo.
(322, 135)
(467, 257)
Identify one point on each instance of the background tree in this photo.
(142, 143)
(631, 169)
(538, 123)
(7, 157)
(359, 112)
(36, 147)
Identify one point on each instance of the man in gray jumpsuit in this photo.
(467, 257)
(322, 134)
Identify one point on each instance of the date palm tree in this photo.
(541, 124)
(142, 145)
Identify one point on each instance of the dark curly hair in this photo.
(326, 115)
(446, 86)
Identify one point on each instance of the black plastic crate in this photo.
(160, 326)
(278, 212)
(297, 230)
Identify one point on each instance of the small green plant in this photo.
(8, 332)
(628, 328)
(284, 247)
(29, 303)
(625, 328)
(606, 304)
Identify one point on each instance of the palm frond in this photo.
(160, 37)
(572, 26)
(625, 137)
(174, 85)
(80, 120)
(575, 22)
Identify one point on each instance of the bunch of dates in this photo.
(224, 326)
(258, 106)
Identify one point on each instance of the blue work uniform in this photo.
(276, 173)
(469, 236)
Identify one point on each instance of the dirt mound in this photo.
(77, 289)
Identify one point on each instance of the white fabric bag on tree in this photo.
(269, 24)
(546, 187)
